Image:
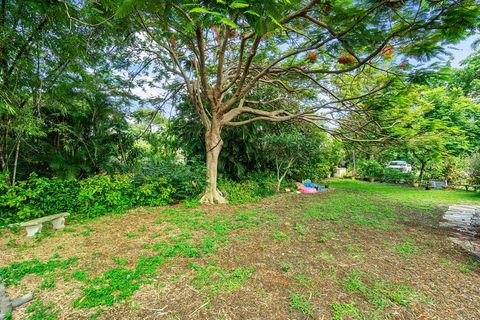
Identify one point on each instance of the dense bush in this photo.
(239, 192)
(474, 172)
(255, 187)
(370, 169)
(154, 192)
(396, 176)
(188, 179)
(94, 196)
(36, 197)
(101, 194)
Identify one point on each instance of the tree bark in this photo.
(15, 164)
(422, 171)
(213, 144)
(280, 178)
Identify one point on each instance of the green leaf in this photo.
(253, 13)
(275, 21)
(199, 10)
(238, 5)
(203, 10)
(229, 22)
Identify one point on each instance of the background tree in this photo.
(427, 122)
(292, 152)
(62, 109)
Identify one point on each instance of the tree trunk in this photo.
(279, 181)
(15, 164)
(354, 173)
(422, 171)
(213, 144)
(280, 178)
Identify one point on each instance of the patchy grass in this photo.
(361, 251)
(215, 280)
(39, 311)
(301, 303)
(470, 266)
(343, 311)
(406, 249)
(16, 271)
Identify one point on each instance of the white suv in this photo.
(400, 165)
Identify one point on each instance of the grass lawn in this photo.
(360, 251)
(408, 195)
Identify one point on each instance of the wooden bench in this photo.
(35, 225)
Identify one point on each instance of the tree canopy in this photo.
(233, 74)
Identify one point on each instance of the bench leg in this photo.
(32, 230)
(58, 223)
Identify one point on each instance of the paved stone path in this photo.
(465, 221)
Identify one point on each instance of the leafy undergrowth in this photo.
(343, 254)
(15, 272)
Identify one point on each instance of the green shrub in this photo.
(474, 173)
(94, 196)
(267, 183)
(370, 169)
(239, 192)
(102, 194)
(154, 192)
(188, 178)
(396, 176)
(36, 197)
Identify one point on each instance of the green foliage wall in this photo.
(155, 185)
(94, 196)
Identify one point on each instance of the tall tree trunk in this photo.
(279, 182)
(422, 171)
(354, 164)
(280, 178)
(213, 144)
(15, 163)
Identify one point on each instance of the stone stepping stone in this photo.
(465, 220)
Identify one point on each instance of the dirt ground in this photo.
(321, 256)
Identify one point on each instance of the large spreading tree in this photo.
(222, 53)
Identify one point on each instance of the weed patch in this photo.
(40, 311)
(381, 294)
(286, 267)
(15, 272)
(216, 280)
(343, 311)
(300, 303)
(280, 235)
(406, 249)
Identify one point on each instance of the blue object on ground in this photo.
(313, 185)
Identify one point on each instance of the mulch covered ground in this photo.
(308, 256)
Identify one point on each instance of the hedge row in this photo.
(38, 197)
(101, 194)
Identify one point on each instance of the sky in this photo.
(463, 50)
